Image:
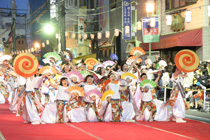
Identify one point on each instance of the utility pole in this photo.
(13, 35)
(62, 26)
(97, 28)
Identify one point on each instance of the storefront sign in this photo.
(126, 17)
(150, 34)
(177, 23)
(80, 31)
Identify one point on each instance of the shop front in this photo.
(169, 45)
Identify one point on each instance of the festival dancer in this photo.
(91, 109)
(116, 106)
(76, 107)
(176, 100)
(31, 109)
(61, 99)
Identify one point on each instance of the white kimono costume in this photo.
(91, 116)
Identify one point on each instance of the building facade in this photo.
(182, 33)
(6, 21)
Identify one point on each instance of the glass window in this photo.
(101, 53)
(106, 53)
(75, 3)
(113, 4)
(171, 4)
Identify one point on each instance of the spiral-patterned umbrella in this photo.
(26, 64)
(186, 60)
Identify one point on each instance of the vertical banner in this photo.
(150, 29)
(126, 19)
(80, 31)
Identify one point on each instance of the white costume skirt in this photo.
(77, 115)
(178, 110)
(91, 115)
(9, 89)
(162, 113)
(29, 110)
(13, 104)
(106, 111)
(128, 111)
(50, 113)
(2, 99)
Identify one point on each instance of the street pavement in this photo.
(198, 115)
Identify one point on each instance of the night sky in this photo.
(21, 4)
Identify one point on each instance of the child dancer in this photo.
(61, 99)
(116, 106)
(92, 113)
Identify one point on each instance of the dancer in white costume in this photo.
(76, 107)
(30, 112)
(61, 102)
(91, 107)
(176, 100)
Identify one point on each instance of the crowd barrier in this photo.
(206, 106)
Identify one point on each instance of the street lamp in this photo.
(107, 34)
(188, 16)
(168, 19)
(43, 44)
(150, 7)
(49, 29)
(85, 36)
(36, 45)
(116, 32)
(138, 25)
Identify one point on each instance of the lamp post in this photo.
(150, 11)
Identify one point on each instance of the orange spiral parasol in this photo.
(186, 60)
(91, 62)
(26, 64)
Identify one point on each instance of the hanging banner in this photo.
(126, 19)
(150, 29)
(80, 31)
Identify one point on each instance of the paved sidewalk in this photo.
(198, 115)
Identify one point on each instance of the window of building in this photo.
(101, 53)
(19, 42)
(113, 4)
(8, 24)
(171, 4)
(110, 52)
(82, 3)
(106, 53)
(22, 41)
(75, 3)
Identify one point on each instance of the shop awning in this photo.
(184, 39)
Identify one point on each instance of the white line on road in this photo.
(1, 136)
(84, 131)
(165, 131)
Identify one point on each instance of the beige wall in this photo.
(197, 17)
(72, 43)
(200, 19)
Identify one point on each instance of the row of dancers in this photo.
(45, 98)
